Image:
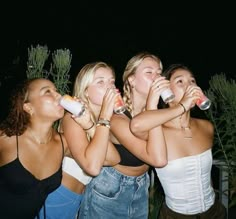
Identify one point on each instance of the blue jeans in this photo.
(114, 195)
(61, 204)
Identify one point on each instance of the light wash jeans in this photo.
(61, 204)
(112, 195)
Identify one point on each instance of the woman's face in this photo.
(43, 100)
(145, 73)
(103, 79)
(179, 81)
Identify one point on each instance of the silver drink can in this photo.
(71, 105)
(167, 95)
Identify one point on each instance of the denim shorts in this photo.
(61, 204)
(114, 195)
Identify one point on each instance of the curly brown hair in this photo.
(17, 120)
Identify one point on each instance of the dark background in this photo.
(198, 35)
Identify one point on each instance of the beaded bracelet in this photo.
(104, 122)
(89, 127)
(183, 107)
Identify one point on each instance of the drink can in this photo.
(167, 95)
(71, 105)
(203, 103)
(119, 106)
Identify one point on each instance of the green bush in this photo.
(222, 114)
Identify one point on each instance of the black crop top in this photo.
(127, 158)
(21, 194)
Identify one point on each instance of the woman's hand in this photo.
(85, 119)
(157, 87)
(191, 95)
(108, 103)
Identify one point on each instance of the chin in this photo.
(59, 114)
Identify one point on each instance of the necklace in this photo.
(49, 138)
(187, 132)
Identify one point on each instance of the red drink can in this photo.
(119, 106)
(203, 103)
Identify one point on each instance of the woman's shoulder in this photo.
(204, 124)
(200, 121)
(7, 143)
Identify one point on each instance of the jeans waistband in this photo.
(120, 176)
(67, 192)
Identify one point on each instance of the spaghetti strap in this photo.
(62, 145)
(17, 145)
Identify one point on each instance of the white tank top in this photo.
(72, 168)
(187, 183)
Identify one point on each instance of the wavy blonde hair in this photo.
(130, 70)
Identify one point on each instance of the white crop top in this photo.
(187, 183)
(72, 168)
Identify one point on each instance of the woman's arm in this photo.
(152, 151)
(142, 123)
(91, 153)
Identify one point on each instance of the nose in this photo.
(57, 95)
(155, 75)
(111, 85)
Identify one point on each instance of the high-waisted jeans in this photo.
(114, 195)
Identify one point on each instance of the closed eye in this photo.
(100, 82)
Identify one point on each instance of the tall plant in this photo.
(60, 67)
(222, 113)
(37, 57)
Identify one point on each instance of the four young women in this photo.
(109, 152)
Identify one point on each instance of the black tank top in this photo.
(21, 194)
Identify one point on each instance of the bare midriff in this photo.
(132, 171)
(73, 184)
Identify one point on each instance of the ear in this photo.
(27, 108)
(131, 80)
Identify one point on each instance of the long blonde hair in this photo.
(130, 70)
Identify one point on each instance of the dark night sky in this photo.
(197, 35)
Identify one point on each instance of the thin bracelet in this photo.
(89, 127)
(104, 122)
(183, 107)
